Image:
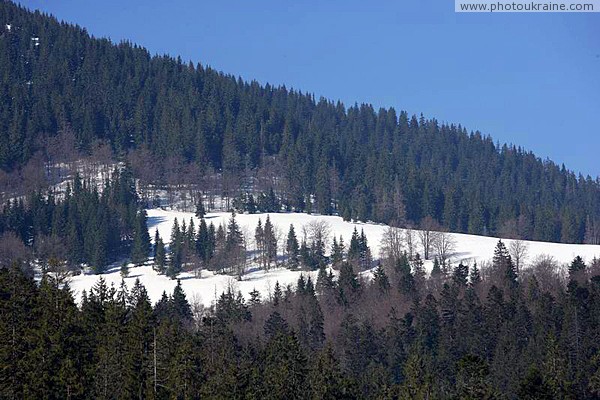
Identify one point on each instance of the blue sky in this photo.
(528, 79)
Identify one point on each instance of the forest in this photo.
(93, 133)
(82, 225)
(458, 333)
(66, 94)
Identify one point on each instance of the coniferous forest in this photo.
(461, 333)
(185, 123)
(92, 131)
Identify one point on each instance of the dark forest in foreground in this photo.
(459, 334)
(63, 92)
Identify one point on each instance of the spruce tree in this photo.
(292, 248)
(381, 279)
(200, 210)
(259, 240)
(270, 243)
(141, 240)
(181, 306)
(160, 257)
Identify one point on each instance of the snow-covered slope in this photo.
(468, 248)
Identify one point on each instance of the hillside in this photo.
(469, 249)
(182, 123)
(401, 333)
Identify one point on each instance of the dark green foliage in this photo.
(231, 307)
(292, 249)
(348, 284)
(356, 161)
(141, 239)
(205, 242)
(285, 367)
(577, 268)
(447, 344)
(233, 249)
(95, 227)
(340, 339)
(504, 267)
(176, 249)
(200, 210)
(267, 203)
(533, 387)
(406, 280)
(460, 274)
(337, 251)
(474, 276)
(327, 381)
(181, 307)
(160, 256)
(473, 380)
(359, 252)
(381, 279)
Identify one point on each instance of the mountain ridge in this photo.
(353, 161)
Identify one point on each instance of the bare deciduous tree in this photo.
(444, 245)
(146, 169)
(411, 241)
(518, 250)
(592, 231)
(509, 229)
(47, 247)
(548, 273)
(427, 235)
(316, 231)
(12, 250)
(392, 244)
(33, 174)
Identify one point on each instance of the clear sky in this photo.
(528, 79)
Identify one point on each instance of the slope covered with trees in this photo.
(460, 333)
(81, 225)
(362, 163)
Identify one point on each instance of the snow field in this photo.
(203, 289)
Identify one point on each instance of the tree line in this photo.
(183, 125)
(462, 332)
(227, 249)
(83, 224)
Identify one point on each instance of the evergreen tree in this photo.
(406, 284)
(259, 239)
(176, 249)
(381, 279)
(270, 243)
(141, 240)
(292, 248)
(182, 308)
(160, 262)
(156, 239)
(502, 262)
(577, 269)
(200, 210)
(254, 297)
(474, 276)
(234, 246)
(337, 251)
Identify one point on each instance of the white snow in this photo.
(468, 248)
(8, 27)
